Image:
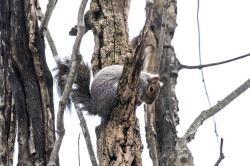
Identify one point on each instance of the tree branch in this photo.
(221, 153)
(167, 67)
(76, 59)
(80, 115)
(48, 35)
(79, 158)
(151, 133)
(213, 64)
(191, 131)
(85, 132)
(142, 37)
(50, 7)
(149, 65)
(133, 64)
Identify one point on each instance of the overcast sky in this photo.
(225, 34)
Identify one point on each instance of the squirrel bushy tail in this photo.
(80, 93)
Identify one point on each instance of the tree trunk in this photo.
(30, 80)
(119, 141)
(163, 116)
(7, 119)
(108, 21)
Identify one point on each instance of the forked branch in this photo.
(221, 157)
(45, 22)
(48, 35)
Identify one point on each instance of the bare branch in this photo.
(149, 65)
(48, 35)
(213, 64)
(81, 12)
(142, 37)
(76, 59)
(52, 47)
(133, 65)
(95, 59)
(151, 133)
(190, 133)
(82, 120)
(86, 135)
(50, 7)
(221, 153)
(79, 159)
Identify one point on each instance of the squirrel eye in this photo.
(151, 89)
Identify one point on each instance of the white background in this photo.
(225, 34)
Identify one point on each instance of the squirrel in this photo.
(102, 97)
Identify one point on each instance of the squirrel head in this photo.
(149, 88)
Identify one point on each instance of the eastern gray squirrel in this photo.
(102, 97)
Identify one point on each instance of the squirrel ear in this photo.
(154, 79)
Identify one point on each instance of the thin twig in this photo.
(213, 64)
(190, 133)
(79, 158)
(86, 135)
(201, 70)
(221, 153)
(76, 59)
(45, 22)
(48, 35)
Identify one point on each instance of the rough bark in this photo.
(108, 21)
(161, 118)
(167, 103)
(7, 111)
(30, 81)
(119, 141)
(149, 65)
(7, 118)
